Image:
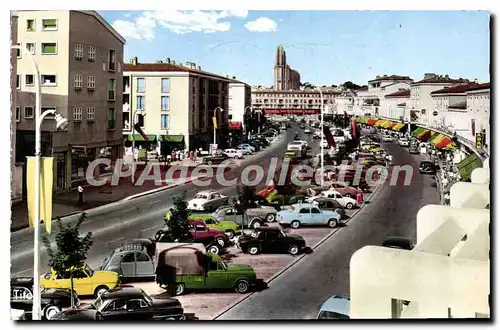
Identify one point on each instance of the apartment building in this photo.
(174, 104)
(394, 105)
(240, 100)
(79, 58)
(478, 106)
(16, 171)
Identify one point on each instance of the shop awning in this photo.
(235, 125)
(380, 122)
(371, 121)
(444, 143)
(438, 138)
(467, 165)
(362, 120)
(418, 131)
(389, 124)
(173, 138)
(138, 137)
(425, 135)
(398, 126)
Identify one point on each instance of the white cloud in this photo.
(177, 21)
(261, 24)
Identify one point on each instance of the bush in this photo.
(201, 217)
(297, 199)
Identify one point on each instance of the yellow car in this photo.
(86, 282)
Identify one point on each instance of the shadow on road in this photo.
(227, 256)
(307, 250)
(191, 317)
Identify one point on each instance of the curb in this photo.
(296, 260)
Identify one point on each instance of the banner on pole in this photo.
(45, 195)
(214, 119)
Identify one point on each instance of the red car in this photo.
(201, 233)
(344, 189)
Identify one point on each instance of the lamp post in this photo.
(215, 127)
(61, 124)
(133, 142)
(322, 156)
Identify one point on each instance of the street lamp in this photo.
(133, 142)
(322, 134)
(61, 124)
(215, 127)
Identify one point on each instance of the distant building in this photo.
(15, 115)
(285, 78)
(240, 100)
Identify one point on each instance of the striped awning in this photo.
(438, 138)
(371, 121)
(425, 135)
(388, 124)
(380, 122)
(417, 131)
(467, 165)
(444, 143)
(398, 126)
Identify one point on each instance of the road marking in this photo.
(18, 273)
(115, 240)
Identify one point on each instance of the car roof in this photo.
(304, 205)
(205, 192)
(337, 303)
(325, 199)
(122, 292)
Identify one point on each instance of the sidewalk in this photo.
(65, 203)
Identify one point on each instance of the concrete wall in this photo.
(237, 101)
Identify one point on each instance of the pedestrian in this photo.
(80, 195)
(359, 197)
(168, 215)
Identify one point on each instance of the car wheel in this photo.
(349, 206)
(348, 195)
(179, 289)
(332, 223)
(229, 233)
(100, 290)
(295, 224)
(242, 286)
(271, 217)
(236, 157)
(253, 250)
(214, 249)
(255, 224)
(50, 311)
(221, 241)
(293, 249)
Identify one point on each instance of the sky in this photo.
(325, 47)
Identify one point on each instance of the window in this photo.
(77, 114)
(141, 85)
(78, 51)
(90, 113)
(18, 81)
(92, 52)
(78, 81)
(141, 257)
(18, 114)
(91, 83)
(111, 118)
(164, 121)
(140, 102)
(129, 257)
(79, 273)
(28, 112)
(200, 228)
(136, 304)
(49, 24)
(29, 80)
(30, 46)
(49, 80)
(304, 211)
(18, 52)
(139, 119)
(165, 85)
(315, 210)
(49, 48)
(111, 89)
(111, 60)
(165, 102)
(30, 25)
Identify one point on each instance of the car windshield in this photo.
(98, 303)
(326, 315)
(89, 271)
(224, 266)
(147, 297)
(200, 196)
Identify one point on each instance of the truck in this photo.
(187, 266)
(299, 147)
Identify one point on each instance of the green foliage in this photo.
(178, 224)
(246, 195)
(71, 248)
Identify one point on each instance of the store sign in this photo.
(479, 141)
(213, 148)
(20, 293)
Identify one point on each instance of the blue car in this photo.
(335, 308)
(245, 150)
(247, 146)
(307, 214)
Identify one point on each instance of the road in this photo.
(110, 230)
(299, 292)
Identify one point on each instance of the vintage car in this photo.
(233, 153)
(344, 188)
(335, 308)
(308, 214)
(227, 226)
(270, 240)
(247, 146)
(225, 213)
(86, 281)
(245, 150)
(208, 200)
(346, 202)
(126, 304)
(329, 204)
(427, 167)
(52, 300)
(130, 262)
(200, 235)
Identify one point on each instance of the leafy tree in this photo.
(245, 199)
(178, 227)
(71, 248)
(350, 85)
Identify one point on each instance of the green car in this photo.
(211, 274)
(230, 228)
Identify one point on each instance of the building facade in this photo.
(285, 78)
(79, 57)
(478, 106)
(394, 104)
(174, 104)
(240, 100)
(16, 171)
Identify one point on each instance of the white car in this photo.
(233, 153)
(387, 138)
(347, 202)
(244, 151)
(307, 131)
(324, 144)
(207, 201)
(404, 142)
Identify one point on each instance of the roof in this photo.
(480, 86)
(391, 77)
(103, 22)
(119, 292)
(403, 93)
(460, 105)
(440, 80)
(338, 303)
(455, 89)
(168, 67)
(304, 205)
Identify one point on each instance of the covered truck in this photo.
(187, 266)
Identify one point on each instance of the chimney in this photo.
(377, 77)
(199, 67)
(134, 60)
(429, 75)
(159, 62)
(446, 76)
(168, 60)
(234, 77)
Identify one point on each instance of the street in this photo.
(299, 292)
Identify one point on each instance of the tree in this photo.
(350, 85)
(246, 195)
(178, 226)
(71, 248)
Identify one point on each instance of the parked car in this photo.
(130, 262)
(398, 242)
(232, 214)
(233, 153)
(229, 227)
(307, 131)
(214, 159)
(86, 281)
(208, 200)
(258, 210)
(200, 271)
(414, 149)
(344, 188)
(270, 240)
(403, 142)
(245, 150)
(247, 146)
(259, 200)
(308, 214)
(387, 138)
(346, 202)
(126, 304)
(200, 232)
(427, 167)
(199, 235)
(329, 204)
(335, 308)
(52, 300)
